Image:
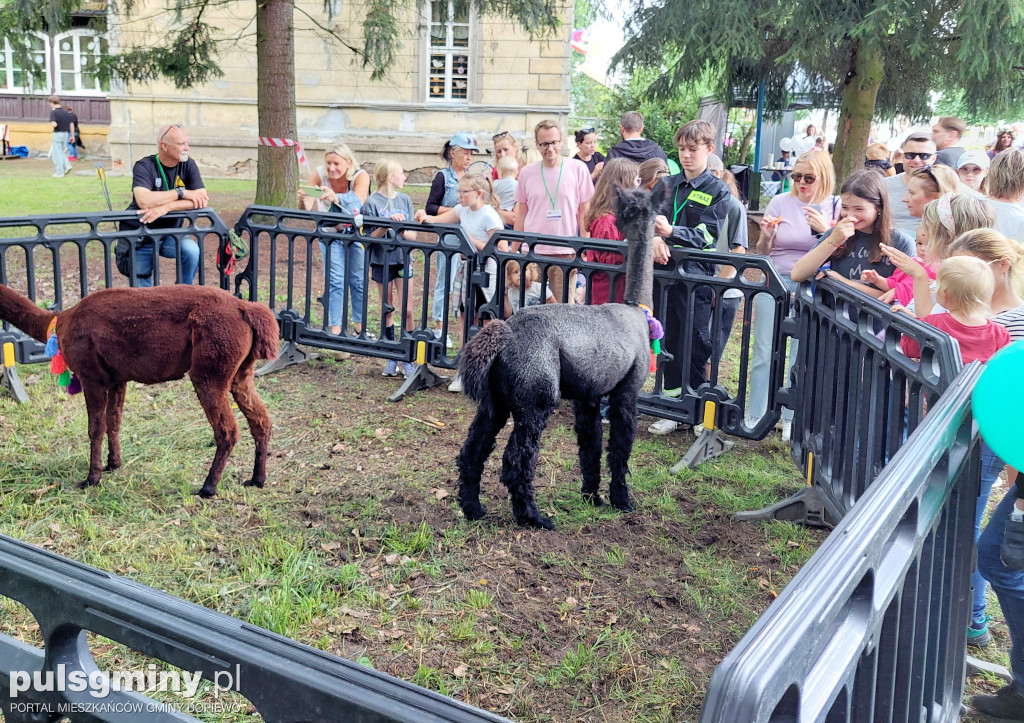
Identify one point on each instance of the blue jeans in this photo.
(760, 365)
(59, 153)
(440, 294)
(143, 270)
(1007, 584)
(991, 466)
(336, 277)
(729, 308)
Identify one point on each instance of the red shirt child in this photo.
(977, 343)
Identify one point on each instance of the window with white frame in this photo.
(78, 55)
(14, 78)
(448, 72)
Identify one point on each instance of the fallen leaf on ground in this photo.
(330, 546)
(41, 491)
(439, 493)
(460, 670)
(346, 610)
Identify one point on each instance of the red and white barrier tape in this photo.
(286, 142)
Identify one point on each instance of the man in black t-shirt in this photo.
(168, 181)
(63, 127)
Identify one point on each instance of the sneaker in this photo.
(979, 637)
(677, 392)
(663, 426)
(408, 369)
(390, 369)
(1007, 704)
(1011, 552)
(456, 385)
(787, 430)
(447, 338)
(57, 175)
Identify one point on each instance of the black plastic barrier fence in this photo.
(283, 680)
(289, 251)
(872, 626)
(57, 260)
(856, 396)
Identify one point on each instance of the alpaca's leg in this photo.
(95, 405)
(478, 447)
(588, 435)
(115, 408)
(214, 398)
(243, 389)
(622, 414)
(520, 463)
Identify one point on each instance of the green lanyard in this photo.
(677, 208)
(160, 167)
(558, 183)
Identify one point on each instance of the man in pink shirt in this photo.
(552, 198)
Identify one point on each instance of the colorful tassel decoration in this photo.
(57, 364)
(51, 341)
(75, 386)
(64, 380)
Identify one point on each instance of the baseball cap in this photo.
(978, 158)
(463, 140)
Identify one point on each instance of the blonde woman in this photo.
(344, 186)
(1006, 190)
(339, 175)
(792, 225)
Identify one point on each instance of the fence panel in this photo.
(856, 396)
(56, 260)
(725, 389)
(872, 626)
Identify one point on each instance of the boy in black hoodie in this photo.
(694, 206)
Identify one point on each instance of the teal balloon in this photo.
(998, 402)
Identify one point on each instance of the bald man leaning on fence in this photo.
(165, 182)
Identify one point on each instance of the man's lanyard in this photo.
(160, 167)
(554, 200)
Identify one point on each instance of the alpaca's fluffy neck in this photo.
(640, 264)
(23, 314)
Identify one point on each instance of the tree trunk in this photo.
(277, 168)
(857, 109)
(748, 135)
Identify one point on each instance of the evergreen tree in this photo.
(189, 55)
(862, 56)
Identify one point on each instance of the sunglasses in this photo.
(169, 129)
(798, 177)
(911, 155)
(499, 135)
(585, 131)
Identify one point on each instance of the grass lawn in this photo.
(356, 546)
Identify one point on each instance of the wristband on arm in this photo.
(181, 193)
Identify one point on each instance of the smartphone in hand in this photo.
(312, 191)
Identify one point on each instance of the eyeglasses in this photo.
(169, 129)
(911, 155)
(549, 144)
(499, 135)
(798, 177)
(460, 192)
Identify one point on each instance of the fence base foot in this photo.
(806, 507)
(10, 381)
(977, 667)
(424, 378)
(290, 354)
(709, 445)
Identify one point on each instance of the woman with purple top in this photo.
(791, 226)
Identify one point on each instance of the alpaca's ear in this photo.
(658, 194)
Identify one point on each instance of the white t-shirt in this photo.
(532, 296)
(896, 190)
(1009, 219)
(479, 225)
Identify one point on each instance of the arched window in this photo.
(78, 55)
(16, 79)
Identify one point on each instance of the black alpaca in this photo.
(525, 365)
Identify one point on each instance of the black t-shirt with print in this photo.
(147, 175)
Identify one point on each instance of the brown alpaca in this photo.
(155, 335)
